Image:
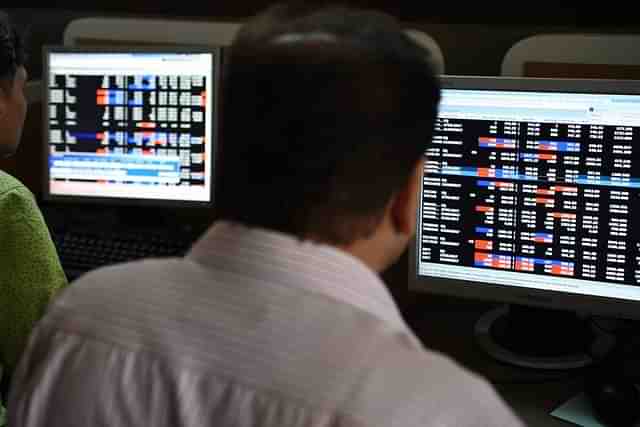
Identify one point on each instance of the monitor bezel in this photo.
(480, 290)
(217, 53)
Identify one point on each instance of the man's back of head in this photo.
(326, 114)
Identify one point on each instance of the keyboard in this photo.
(82, 251)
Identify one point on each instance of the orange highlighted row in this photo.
(559, 215)
(146, 125)
(567, 189)
(561, 271)
(484, 245)
(486, 172)
(494, 261)
(484, 209)
(542, 200)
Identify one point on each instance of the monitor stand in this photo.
(535, 338)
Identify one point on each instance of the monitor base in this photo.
(535, 338)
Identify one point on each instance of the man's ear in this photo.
(404, 205)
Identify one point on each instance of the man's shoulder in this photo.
(425, 387)
(118, 289)
(409, 366)
(138, 271)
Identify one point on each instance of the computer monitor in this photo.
(529, 193)
(131, 125)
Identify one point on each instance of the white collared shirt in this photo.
(251, 328)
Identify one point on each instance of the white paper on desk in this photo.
(577, 410)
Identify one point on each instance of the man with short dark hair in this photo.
(276, 317)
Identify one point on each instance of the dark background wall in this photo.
(474, 39)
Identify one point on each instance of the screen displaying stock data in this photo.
(535, 190)
(131, 125)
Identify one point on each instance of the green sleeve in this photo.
(30, 272)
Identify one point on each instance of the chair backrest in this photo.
(114, 31)
(427, 42)
(611, 56)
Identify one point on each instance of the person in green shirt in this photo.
(30, 272)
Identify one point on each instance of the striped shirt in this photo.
(251, 328)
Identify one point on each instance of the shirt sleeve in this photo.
(30, 271)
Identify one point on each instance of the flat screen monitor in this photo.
(531, 195)
(131, 125)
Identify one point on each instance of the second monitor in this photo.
(130, 140)
(528, 197)
(131, 124)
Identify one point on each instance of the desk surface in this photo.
(446, 325)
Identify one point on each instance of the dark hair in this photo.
(325, 115)
(12, 53)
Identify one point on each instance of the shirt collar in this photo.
(275, 256)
